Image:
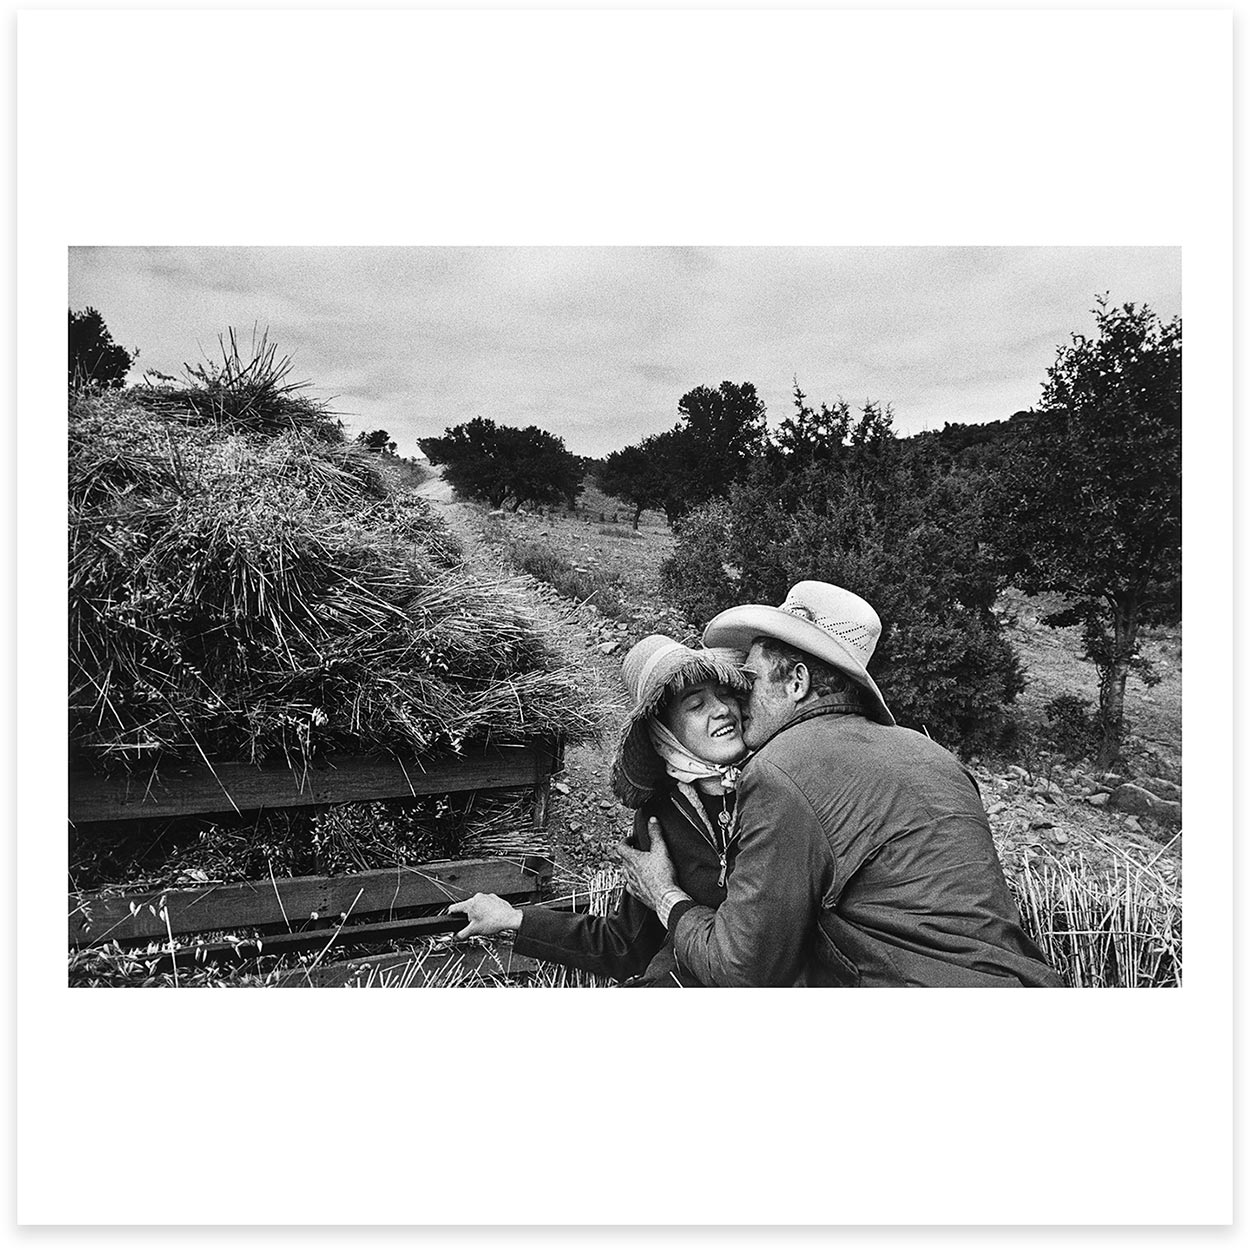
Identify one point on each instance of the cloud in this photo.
(598, 344)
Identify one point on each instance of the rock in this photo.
(559, 787)
(608, 647)
(622, 627)
(605, 805)
(995, 808)
(1014, 770)
(1110, 780)
(1133, 798)
(1133, 823)
(575, 826)
(1041, 823)
(1162, 789)
(1098, 800)
(1060, 837)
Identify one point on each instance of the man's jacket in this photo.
(864, 857)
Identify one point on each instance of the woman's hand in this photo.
(487, 914)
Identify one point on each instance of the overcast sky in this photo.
(599, 344)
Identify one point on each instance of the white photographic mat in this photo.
(701, 128)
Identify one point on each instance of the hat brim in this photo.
(637, 771)
(739, 627)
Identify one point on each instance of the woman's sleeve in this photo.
(620, 945)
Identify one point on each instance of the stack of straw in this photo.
(246, 585)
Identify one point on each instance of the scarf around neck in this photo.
(682, 764)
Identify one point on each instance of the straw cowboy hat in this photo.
(653, 669)
(826, 621)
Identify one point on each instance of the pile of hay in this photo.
(244, 584)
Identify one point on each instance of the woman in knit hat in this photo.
(675, 763)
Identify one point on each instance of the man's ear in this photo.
(800, 683)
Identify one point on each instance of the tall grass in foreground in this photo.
(1103, 927)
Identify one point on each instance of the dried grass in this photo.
(244, 594)
(1113, 926)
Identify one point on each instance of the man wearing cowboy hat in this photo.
(864, 853)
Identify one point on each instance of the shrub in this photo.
(1071, 730)
(694, 578)
(540, 561)
(250, 394)
(849, 504)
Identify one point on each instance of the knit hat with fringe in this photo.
(653, 669)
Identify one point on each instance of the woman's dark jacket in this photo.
(632, 943)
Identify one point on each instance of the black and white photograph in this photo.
(516, 505)
(661, 617)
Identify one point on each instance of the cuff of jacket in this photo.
(678, 910)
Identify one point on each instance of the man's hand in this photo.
(487, 914)
(649, 874)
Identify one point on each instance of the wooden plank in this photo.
(246, 787)
(542, 791)
(304, 941)
(356, 973)
(294, 900)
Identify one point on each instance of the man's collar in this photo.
(826, 707)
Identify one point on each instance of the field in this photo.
(1099, 887)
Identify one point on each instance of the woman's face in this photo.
(707, 720)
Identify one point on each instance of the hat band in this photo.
(851, 633)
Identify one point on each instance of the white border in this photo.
(610, 127)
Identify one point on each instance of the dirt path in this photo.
(585, 817)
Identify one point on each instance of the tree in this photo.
(720, 435)
(544, 471)
(379, 441)
(474, 463)
(638, 475)
(1091, 495)
(498, 462)
(94, 359)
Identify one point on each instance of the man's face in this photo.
(768, 706)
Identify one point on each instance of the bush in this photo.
(694, 578)
(1070, 729)
(852, 505)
